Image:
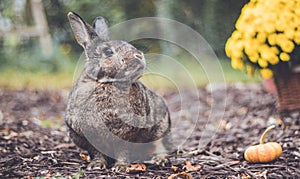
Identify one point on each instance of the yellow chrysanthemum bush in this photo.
(267, 37)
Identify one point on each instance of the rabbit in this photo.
(110, 113)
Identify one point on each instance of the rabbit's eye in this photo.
(107, 51)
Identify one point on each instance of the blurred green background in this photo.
(37, 52)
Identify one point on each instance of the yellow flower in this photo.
(261, 37)
(262, 63)
(284, 56)
(273, 60)
(251, 47)
(250, 31)
(228, 46)
(266, 53)
(253, 58)
(269, 27)
(287, 46)
(266, 73)
(280, 25)
(234, 48)
(280, 38)
(297, 11)
(237, 64)
(236, 54)
(275, 50)
(236, 35)
(272, 39)
(297, 37)
(289, 33)
(267, 32)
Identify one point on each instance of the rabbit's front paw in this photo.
(97, 164)
(120, 166)
(161, 159)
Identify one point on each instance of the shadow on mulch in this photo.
(34, 140)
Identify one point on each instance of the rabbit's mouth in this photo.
(121, 77)
(110, 80)
(128, 73)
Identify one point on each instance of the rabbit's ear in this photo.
(83, 32)
(100, 26)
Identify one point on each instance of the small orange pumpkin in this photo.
(263, 152)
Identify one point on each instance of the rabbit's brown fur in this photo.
(108, 104)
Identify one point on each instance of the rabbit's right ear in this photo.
(100, 26)
(83, 32)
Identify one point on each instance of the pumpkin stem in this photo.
(263, 136)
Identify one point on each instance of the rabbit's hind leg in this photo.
(161, 152)
(121, 164)
(99, 162)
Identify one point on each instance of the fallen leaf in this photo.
(11, 135)
(84, 157)
(242, 111)
(5, 130)
(4, 151)
(189, 167)
(225, 125)
(174, 168)
(136, 168)
(246, 176)
(48, 175)
(182, 175)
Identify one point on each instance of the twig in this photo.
(248, 172)
(268, 166)
(70, 163)
(227, 164)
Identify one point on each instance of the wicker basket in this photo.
(288, 89)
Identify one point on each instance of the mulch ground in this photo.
(210, 129)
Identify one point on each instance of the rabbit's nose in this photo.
(138, 55)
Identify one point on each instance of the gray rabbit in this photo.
(109, 112)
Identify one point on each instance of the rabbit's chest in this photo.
(118, 102)
(124, 113)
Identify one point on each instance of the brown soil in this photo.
(34, 140)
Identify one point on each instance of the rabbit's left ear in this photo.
(100, 25)
(83, 32)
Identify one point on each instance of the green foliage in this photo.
(213, 19)
(30, 57)
(78, 175)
